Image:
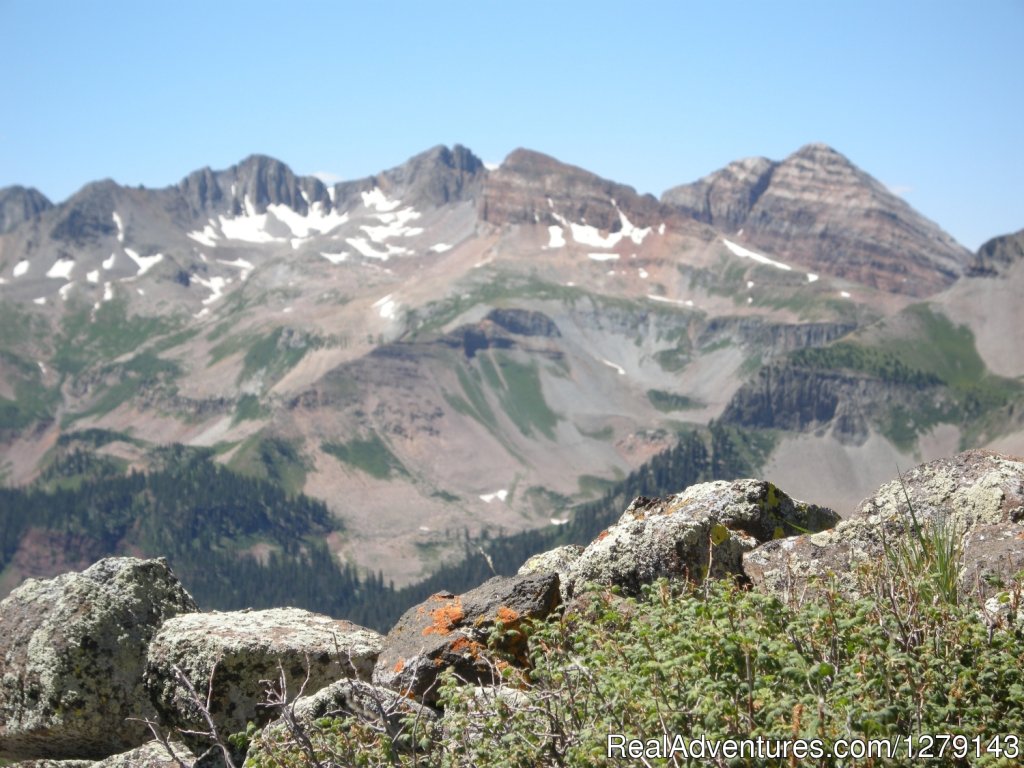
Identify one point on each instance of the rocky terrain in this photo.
(444, 352)
(89, 659)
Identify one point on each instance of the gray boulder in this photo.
(153, 754)
(384, 710)
(234, 655)
(451, 631)
(977, 495)
(73, 654)
(558, 560)
(703, 531)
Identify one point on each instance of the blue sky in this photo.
(926, 96)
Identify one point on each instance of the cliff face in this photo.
(818, 209)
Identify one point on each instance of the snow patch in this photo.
(108, 291)
(145, 263)
(559, 520)
(40, 301)
(661, 228)
(94, 276)
(140, 292)
(394, 225)
(109, 263)
(588, 235)
(65, 290)
(501, 495)
(62, 269)
(440, 248)
(666, 300)
(286, 311)
(603, 256)
(244, 266)
(556, 236)
(367, 250)
(811, 277)
(844, 294)
(619, 369)
(318, 221)
(644, 274)
(746, 253)
(335, 258)
(750, 284)
(20, 268)
(386, 307)
(120, 227)
(215, 285)
(377, 200)
(207, 236)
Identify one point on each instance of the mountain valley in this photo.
(446, 353)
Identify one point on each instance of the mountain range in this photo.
(445, 351)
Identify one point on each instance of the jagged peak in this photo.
(19, 204)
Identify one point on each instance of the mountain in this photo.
(20, 204)
(442, 354)
(827, 214)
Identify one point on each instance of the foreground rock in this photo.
(450, 631)
(977, 495)
(153, 754)
(74, 650)
(703, 531)
(406, 722)
(558, 560)
(234, 656)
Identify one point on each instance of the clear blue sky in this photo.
(926, 96)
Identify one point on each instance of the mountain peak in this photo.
(819, 209)
(19, 204)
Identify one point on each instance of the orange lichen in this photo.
(444, 618)
(507, 615)
(602, 535)
(399, 665)
(465, 645)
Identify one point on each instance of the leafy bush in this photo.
(721, 661)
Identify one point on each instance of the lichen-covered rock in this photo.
(240, 650)
(976, 495)
(451, 631)
(74, 649)
(153, 754)
(406, 722)
(702, 531)
(558, 560)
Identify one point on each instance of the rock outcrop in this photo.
(703, 531)
(20, 204)
(382, 709)
(996, 256)
(234, 655)
(74, 649)
(450, 631)
(978, 496)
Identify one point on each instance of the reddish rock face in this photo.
(818, 209)
(532, 188)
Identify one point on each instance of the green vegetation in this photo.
(670, 401)
(32, 401)
(106, 333)
(273, 459)
(274, 354)
(718, 662)
(249, 408)
(370, 455)
(519, 390)
(933, 355)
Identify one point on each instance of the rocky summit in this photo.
(270, 679)
(369, 381)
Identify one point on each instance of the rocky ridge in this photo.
(978, 495)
